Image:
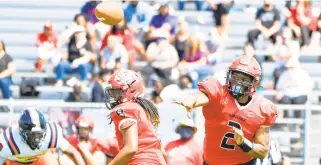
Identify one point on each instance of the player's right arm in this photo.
(209, 89)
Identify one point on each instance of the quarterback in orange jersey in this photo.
(135, 119)
(236, 120)
(83, 141)
(33, 141)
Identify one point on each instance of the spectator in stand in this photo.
(46, 44)
(164, 90)
(286, 48)
(7, 69)
(82, 20)
(293, 85)
(267, 23)
(88, 9)
(221, 9)
(162, 56)
(79, 55)
(195, 60)
(185, 82)
(181, 38)
(138, 15)
(114, 56)
(163, 21)
(98, 90)
(77, 95)
(127, 38)
(302, 22)
(186, 150)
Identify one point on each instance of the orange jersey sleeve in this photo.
(269, 111)
(211, 87)
(124, 117)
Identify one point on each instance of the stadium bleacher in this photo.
(21, 20)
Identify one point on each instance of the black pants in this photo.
(222, 9)
(254, 33)
(252, 162)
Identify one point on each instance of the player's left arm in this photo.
(260, 147)
(257, 149)
(129, 130)
(261, 143)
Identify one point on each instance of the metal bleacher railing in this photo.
(309, 135)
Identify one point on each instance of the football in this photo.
(110, 13)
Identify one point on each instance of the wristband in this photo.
(246, 146)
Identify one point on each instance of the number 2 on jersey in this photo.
(230, 135)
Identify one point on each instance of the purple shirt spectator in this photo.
(89, 10)
(197, 56)
(158, 21)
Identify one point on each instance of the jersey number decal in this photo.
(229, 135)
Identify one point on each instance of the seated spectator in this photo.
(82, 20)
(79, 55)
(163, 21)
(114, 56)
(267, 23)
(195, 60)
(138, 14)
(127, 38)
(77, 95)
(164, 91)
(7, 69)
(98, 90)
(185, 82)
(181, 38)
(186, 150)
(301, 21)
(46, 44)
(221, 11)
(285, 49)
(162, 57)
(293, 85)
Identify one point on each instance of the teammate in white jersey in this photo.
(29, 143)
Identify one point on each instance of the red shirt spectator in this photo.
(47, 36)
(125, 35)
(184, 151)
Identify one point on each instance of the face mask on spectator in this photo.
(185, 132)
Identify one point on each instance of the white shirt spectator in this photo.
(120, 53)
(165, 55)
(295, 81)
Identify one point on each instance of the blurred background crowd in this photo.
(60, 51)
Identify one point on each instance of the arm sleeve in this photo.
(62, 143)
(258, 14)
(123, 118)
(211, 87)
(269, 111)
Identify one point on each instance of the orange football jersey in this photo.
(149, 146)
(222, 113)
